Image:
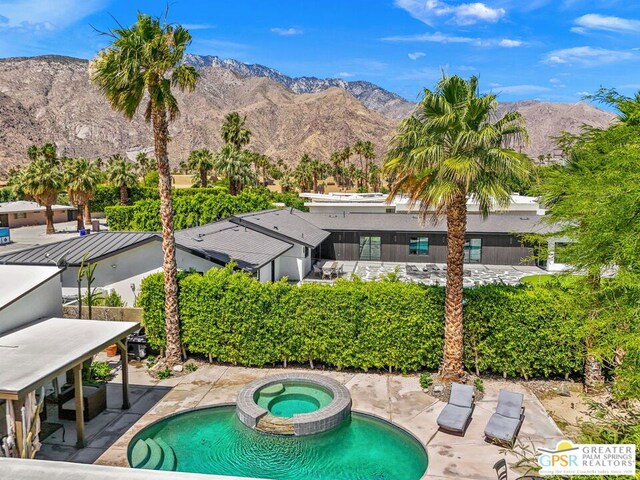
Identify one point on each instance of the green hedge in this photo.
(109, 196)
(368, 325)
(190, 209)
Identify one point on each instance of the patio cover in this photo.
(36, 353)
(33, 355)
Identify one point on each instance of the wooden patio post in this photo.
(77, 384)
(17, 411)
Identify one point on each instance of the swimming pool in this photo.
(287, 399)
(212, 440)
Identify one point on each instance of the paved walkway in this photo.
(396, 398)
(435, 273)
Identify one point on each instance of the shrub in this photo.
(478, 384)
(164, 373)
(98, 372)
(190, 367)
(425, 380)
(190, 209)
(235, 318)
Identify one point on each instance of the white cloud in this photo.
(46, 15)
(522, 89)
(509, 43)
(594, 21)
(344, 74)
(428, 11)
(556, 82)
(586, 56)
(287, 32)
(446, 38)
(197, 26)
(583, 94)
(416, 55)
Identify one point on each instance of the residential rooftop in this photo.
(25, 206)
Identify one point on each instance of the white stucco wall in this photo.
(43, 302)
(118, 272)
(293, 264)
(552, 265)
(265, 273)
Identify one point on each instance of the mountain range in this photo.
(50, 99)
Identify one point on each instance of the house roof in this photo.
(97, 246)
(38, 352)
(224, 241)
(17, 281)
(406, 222)
(24, 206)
(284, 224)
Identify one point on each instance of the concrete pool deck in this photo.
(396, 398)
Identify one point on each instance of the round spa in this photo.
(293, 404)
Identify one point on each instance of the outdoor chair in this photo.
(340, 271)
(456, 415)
(94, 400)
(412, 270)
(504, 425)
(317, 271)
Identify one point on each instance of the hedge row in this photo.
(109, 196)
(518, 331)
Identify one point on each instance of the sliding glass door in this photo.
(370, 248)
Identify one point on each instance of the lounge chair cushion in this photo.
(510, 404)
(461, 395)
(454, 418)
(502, 428)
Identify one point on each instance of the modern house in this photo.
(380, 203)
(123, 259)
(39, 348)
(272, 244)
(23, 213)
(399, 237)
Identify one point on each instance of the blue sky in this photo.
(555, 50)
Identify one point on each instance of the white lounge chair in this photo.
(456, 415)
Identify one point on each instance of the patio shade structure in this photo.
(33, 355)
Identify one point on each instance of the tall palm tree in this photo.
(147, 58)
(201, 162)
(304, 174)
(81, 178)
(42, 181)
(452, 147)
(236, 166)
(234, 130)
(121, 173)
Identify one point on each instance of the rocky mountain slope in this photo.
(373, 97)
(50, 99)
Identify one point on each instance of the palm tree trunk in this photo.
(87, 214)
(452, 368)
(79, 217)
(203, 178)
(315, 183)
(48, 212)
(234, 187)
(124, 195)
(173, 349)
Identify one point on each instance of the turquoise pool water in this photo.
(212, 440)
(290, 398)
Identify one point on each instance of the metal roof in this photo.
(224, 241)
(70, 252)
(407, 222)
(284, 224)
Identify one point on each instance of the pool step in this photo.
(140, 454)
(156, 456)
(170, 461)
(275, 425)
